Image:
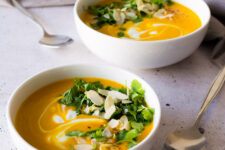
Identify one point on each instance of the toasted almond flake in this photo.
(113, 123)
(96, 113)
(146, 7)
(110, 112)
(71, 114)
(107, 16)
(130, 14)
(125, 101)
(83, 147)
(119, 16)
(160, 14)
(117, 95)
(106, 132)
(103, 92)
(87, 110)
(113, 94)
(109, 102)
(58, 119)
(124, 123)
(95, 97)
(109, 106)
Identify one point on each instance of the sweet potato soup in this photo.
(143, 20)
(85, 114)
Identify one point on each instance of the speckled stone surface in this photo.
(181, 88)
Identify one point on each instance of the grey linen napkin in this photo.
(216, 31)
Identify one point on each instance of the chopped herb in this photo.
(122, 29)
(137, 112)
(74, 133)
(138, 126)
(120, 34)
(104, 14)
(136, 86)
(71, 147)
(136, 19)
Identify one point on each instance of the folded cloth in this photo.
(216, 31)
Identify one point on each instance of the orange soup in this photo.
(83, 114)
(141, 20)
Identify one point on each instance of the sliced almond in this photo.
(113, 123)
(124, 123)
(83, 147)
(87, 110)
(109, 102)
(103, 92)
(106, 132)
(110, 112)
(96, 113)
(119, 16)
(146, 7)
(117, 95)
(94, 97)
(113, 94)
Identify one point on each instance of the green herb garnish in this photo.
(120, 34)
(136, 111)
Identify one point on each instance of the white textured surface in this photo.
(183, 85)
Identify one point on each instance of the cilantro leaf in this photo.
(74, 133)
(137, 87)
(133, 133)
(138, 126)
(147, 114)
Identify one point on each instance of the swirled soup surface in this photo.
(175, 21)
(43, 122)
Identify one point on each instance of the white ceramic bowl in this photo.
(142, 54)
(80, 70)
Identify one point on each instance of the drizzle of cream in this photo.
(58, 119)
(134, 33)
(153, 32)
(158, 24)
(62, 139)
(71, 114)
(165, 16)
(63, 107)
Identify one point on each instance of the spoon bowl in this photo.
(55, 40)
(187, 139)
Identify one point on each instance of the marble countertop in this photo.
(181, 88)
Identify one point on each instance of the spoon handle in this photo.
(28, 14)
(215, 88)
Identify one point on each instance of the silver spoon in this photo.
(192, 138)
(47, 39)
